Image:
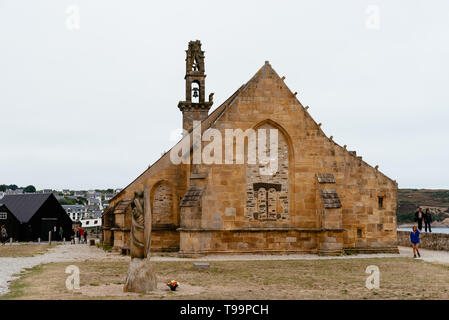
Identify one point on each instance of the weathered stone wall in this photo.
(270, 200)
(165, 240)
(433, 241)
(107, 238)
(120, 239)
(245, 241)
(120, 220)
(162, 204)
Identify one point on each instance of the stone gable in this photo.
(323, 198)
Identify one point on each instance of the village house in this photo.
(10, 191)
(321, 198)
(79, 193)
(108, 196)
(94, 201)
(76, 211)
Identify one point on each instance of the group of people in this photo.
(78, 235)
(425, 217)
(420, 217)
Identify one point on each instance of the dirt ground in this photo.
(400, 278)
(23, 250)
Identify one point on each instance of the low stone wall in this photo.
(433, 241)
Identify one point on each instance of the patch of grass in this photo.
(293, 279)
(24, 250)
(18, 288)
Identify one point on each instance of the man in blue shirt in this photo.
(414, 238)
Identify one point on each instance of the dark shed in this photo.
(10, 222)
(37, 214)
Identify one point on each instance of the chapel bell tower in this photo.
(195, 107)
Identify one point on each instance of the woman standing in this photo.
(427, 220)
(414, 238)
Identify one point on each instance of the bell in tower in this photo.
(195, 107)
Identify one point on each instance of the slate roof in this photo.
(122, 205)
(330, 199)
(24, 206)
(192, 196)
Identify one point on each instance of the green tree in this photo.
(67, 202)
(81, 200)
(29, 189)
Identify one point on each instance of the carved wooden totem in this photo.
(141, 277)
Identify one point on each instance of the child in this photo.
(414, 237)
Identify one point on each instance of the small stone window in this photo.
(359, 233)
(380, 201)
(3, 215)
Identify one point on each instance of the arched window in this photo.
(195, 65)
(195, 92)
(162, 204)
(267, 197)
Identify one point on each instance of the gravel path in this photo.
(426, 255)
(62, 253)
(66, 253)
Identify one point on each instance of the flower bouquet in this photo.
(173, 285)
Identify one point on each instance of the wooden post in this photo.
(49, 237)
(147, 213)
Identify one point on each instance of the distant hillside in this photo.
(410, 199)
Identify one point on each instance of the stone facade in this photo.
(323, 199)
(267, 196)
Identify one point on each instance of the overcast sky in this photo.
(91, 102)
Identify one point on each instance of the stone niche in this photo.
(267, 197)
(162, 204)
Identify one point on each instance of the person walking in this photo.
(427, 220)
(419, 216)
(4, 234)
(81, 229)
(414, 238)
(72, 236)
(77, 236)
(85, 236)
(61, 233)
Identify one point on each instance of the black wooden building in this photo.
(28, 217)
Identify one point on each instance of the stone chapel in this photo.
(323, 199)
